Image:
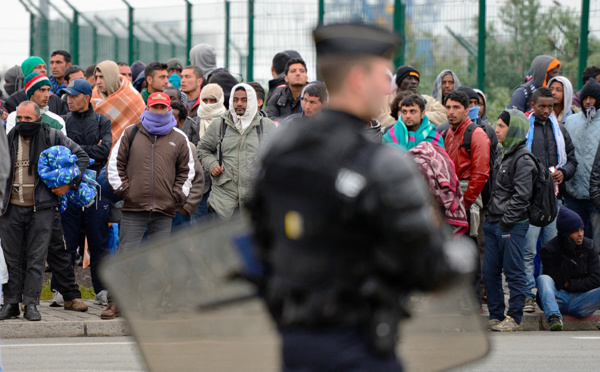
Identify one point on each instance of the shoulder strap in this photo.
(55, 136)
(132, 135)
(467, 137)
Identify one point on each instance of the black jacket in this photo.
(278, 82)
(544, 148)
(361, 213)
(191, 129)
(87, 129)
(43, 196)
(282, 105)
(565, 262)
(512, 187)
(55, 104)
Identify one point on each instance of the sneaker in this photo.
(507, 325)
(492, 322)
(598, 325)
(555, 323)
(57, 300)
(101, 298)
(529, 305)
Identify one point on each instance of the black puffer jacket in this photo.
(87, 129)
(565, 262)
(544, 148)
(55, 104)
(511, 190)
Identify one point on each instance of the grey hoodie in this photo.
(522, 95)
(204, 56)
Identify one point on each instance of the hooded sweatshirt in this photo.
(437, 84)
(110, 71)
(567, 98)
(584, 129)
(15, 76)
(484, 115)
(242, 122)
(204, 56)
(539, 69)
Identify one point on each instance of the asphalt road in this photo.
(540, 351)
(525, 351)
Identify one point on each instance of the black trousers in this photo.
(332, 349)
(61, 263)
(25, 235)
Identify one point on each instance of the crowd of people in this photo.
(174, 145)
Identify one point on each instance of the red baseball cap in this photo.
(159, 98)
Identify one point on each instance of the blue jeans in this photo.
(180, 222)
(546, 233)
(200, 214)
(590, 216)
(504, 251)
(579, 305)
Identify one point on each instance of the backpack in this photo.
(486, 193)
(259, 132)
(543, 205)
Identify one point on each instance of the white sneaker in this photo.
(529, 306)
(57, 300)
(101, 298)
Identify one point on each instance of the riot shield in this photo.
(188, 309)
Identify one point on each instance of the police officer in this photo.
(343, 225)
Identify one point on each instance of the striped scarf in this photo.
(400, 135)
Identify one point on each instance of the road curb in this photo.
(99, 328)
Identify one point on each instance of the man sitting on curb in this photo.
(571, 280)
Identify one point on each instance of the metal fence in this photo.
(247, 33)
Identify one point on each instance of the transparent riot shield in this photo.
(189, 311)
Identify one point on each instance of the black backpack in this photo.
(543, 205)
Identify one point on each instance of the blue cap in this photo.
(78, 86)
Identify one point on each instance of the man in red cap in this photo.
(154, 180)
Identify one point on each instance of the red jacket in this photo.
(474, 168)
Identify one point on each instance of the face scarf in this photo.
(158, 124)
(400, 135)
(209, 111)
(40, 139)
(244, 121)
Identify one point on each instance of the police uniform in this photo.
(344, 228)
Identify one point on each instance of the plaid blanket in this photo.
(124, 107)
(438, 170)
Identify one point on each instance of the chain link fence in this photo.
(439, 35)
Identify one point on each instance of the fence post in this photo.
(481, 47)
(321, 12)
(130, 36)
(399, 28)
(250, 58)
(75, 37)
(583, 42)
(188, 36)
(227, 33)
